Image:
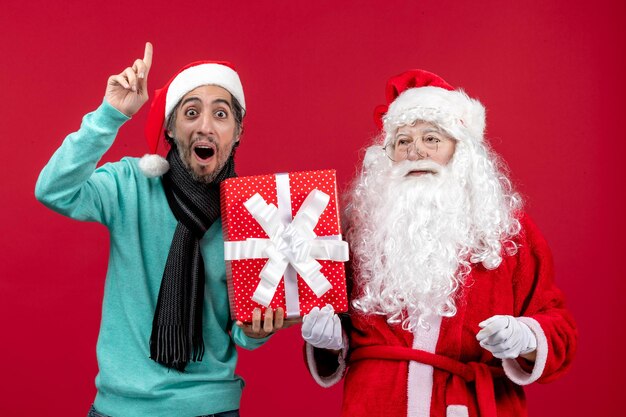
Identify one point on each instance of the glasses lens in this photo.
(431, 145)
(389, 151)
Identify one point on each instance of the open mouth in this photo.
(416, 173)
(204, 152)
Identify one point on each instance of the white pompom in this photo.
(152, 165)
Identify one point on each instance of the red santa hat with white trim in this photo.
(421, 95)
(191, 76)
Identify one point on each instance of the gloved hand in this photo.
(506, 337)
(322, 328)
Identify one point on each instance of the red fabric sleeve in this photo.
(538, 297)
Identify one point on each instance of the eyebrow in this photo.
(426, 130)
(221, 100)
(216, 101)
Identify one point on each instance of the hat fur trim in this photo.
(454, 111)
(203, 74)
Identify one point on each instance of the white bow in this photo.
(294, 243)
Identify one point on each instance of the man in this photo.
(454, 307)
(166, 345)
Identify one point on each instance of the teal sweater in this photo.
(141, 225)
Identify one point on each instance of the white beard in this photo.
(410, 238)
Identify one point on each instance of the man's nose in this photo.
(206, 124)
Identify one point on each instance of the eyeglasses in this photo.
(401, 148)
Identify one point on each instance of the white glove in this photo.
(322, 328)
(506, 337)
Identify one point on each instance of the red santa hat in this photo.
(421, 95)
(191, 76)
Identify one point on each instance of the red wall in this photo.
(551, 74)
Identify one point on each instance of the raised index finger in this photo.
(147, 55)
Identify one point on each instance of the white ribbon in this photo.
(291, 244)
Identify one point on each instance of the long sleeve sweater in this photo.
(141, 225)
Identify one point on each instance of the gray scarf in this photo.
(177, 325)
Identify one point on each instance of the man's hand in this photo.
(506, 337)
(322, 328)
(271, 323)
(128, 90)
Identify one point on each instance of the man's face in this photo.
(423, 140)
(204, 130)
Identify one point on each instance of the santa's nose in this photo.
(414, 153)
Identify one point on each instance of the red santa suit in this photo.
(442, 370)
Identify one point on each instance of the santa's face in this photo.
(204, 131)
(422, 140)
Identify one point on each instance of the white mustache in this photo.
(404, 167)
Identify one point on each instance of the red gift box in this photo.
(283, 245)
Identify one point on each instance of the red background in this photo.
(551, 74)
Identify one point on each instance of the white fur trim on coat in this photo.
(420, 380)
(327, 381)
(457, 411)
(512, 368)
(153, 166)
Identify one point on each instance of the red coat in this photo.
(522, 286)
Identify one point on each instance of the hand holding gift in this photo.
(271, 323)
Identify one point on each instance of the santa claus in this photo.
(454, 306)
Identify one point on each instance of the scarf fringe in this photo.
(173, 349)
